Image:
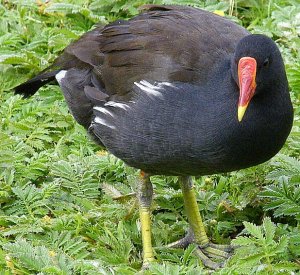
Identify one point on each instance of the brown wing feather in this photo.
(165, 43)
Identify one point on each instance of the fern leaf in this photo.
(111, 190)
(242, 241)
(254, 230)
(281, 245)
(269, 229)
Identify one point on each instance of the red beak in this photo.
(247, 74)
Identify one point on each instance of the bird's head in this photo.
(257, 66)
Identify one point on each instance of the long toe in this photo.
(215, 252)
(207, 261)
(224, 247)
(214, 255)
(184, 242)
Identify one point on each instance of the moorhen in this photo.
(167, 92)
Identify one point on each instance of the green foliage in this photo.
(260, 252)
(68, 208)
(284, 165)
(37, 258)
(284, 198)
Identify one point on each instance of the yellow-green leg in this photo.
(197, 234)
(192, 211)
(145, 195)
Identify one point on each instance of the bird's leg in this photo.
(145, 195)
(197, 234)
(192, 211)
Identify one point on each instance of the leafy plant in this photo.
(260, 252)
(284, 198)
(35, 258)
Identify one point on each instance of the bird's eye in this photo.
(266, 62)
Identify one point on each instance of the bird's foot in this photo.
(212, 255)
(147, 262)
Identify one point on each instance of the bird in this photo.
(178, 91)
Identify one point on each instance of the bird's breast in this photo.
(180, 129)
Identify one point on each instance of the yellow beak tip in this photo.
(241, 112)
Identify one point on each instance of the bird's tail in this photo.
(31, 86)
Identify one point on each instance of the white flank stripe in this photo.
(59, 76)
(103, 110)
(148, 84)
(168, 84)
(150, 89)
(117, 104)
(103, 122)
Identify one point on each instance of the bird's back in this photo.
(165, 43)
